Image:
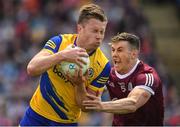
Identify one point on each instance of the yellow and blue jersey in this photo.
(55, 96)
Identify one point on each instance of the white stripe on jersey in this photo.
(150, 76)
(146, 88)
(149, 79)
(146, 79)
(152, 80)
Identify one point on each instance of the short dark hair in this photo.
(91, 11)
(133, 40)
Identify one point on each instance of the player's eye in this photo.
(95, 31)
(102, 32)
(120, 49)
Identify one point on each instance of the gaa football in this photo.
(71, 67)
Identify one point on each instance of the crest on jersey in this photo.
(111, 84)
(90, 72)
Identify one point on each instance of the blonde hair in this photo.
(132, 39)
(89, 11)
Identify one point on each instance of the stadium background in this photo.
(25, 26)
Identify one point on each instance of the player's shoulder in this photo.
(145, 70)
(100, 61)
(60, 37)
(68, 37)
(100, 56)
(55, 39)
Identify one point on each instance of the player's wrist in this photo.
(104, 106)
(61, 56)
(79, 84)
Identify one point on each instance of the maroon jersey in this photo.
(145, 77)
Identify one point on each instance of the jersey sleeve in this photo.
(148, 81)
(99, 83)
(53, 44)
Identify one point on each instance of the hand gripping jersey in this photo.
(144, 77)
(55, 96)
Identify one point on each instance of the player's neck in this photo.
(80, 43)
(132, 64)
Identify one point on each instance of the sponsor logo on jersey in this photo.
(58, 72)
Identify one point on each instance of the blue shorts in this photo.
(31, 118)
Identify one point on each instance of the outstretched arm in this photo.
(136, 98)
(82, 90)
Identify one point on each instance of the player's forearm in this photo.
(41, 64)
(122, 106)
(80, 92)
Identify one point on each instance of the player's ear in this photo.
(79, 27)
(134, 54)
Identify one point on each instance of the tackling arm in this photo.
(82, 94)
(81, 91)
(136, 98)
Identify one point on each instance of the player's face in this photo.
(91, 34)
(122, 57)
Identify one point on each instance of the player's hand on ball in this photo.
(75, 58)
(78, 78)
(75, 55)
(72, 69)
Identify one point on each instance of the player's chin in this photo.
(93, 48)
(97, 44)
(116, 66)
(118, 69)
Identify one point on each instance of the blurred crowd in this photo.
(26, 25)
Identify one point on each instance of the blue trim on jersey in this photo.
(75, 42)
(51, 90)
(57, 41)
(31, 118)
(91, 53)
(105, 73)
(49, 95)
(46, 47)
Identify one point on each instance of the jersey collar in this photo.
(129, 73)
(91, 52)
(75, 41)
